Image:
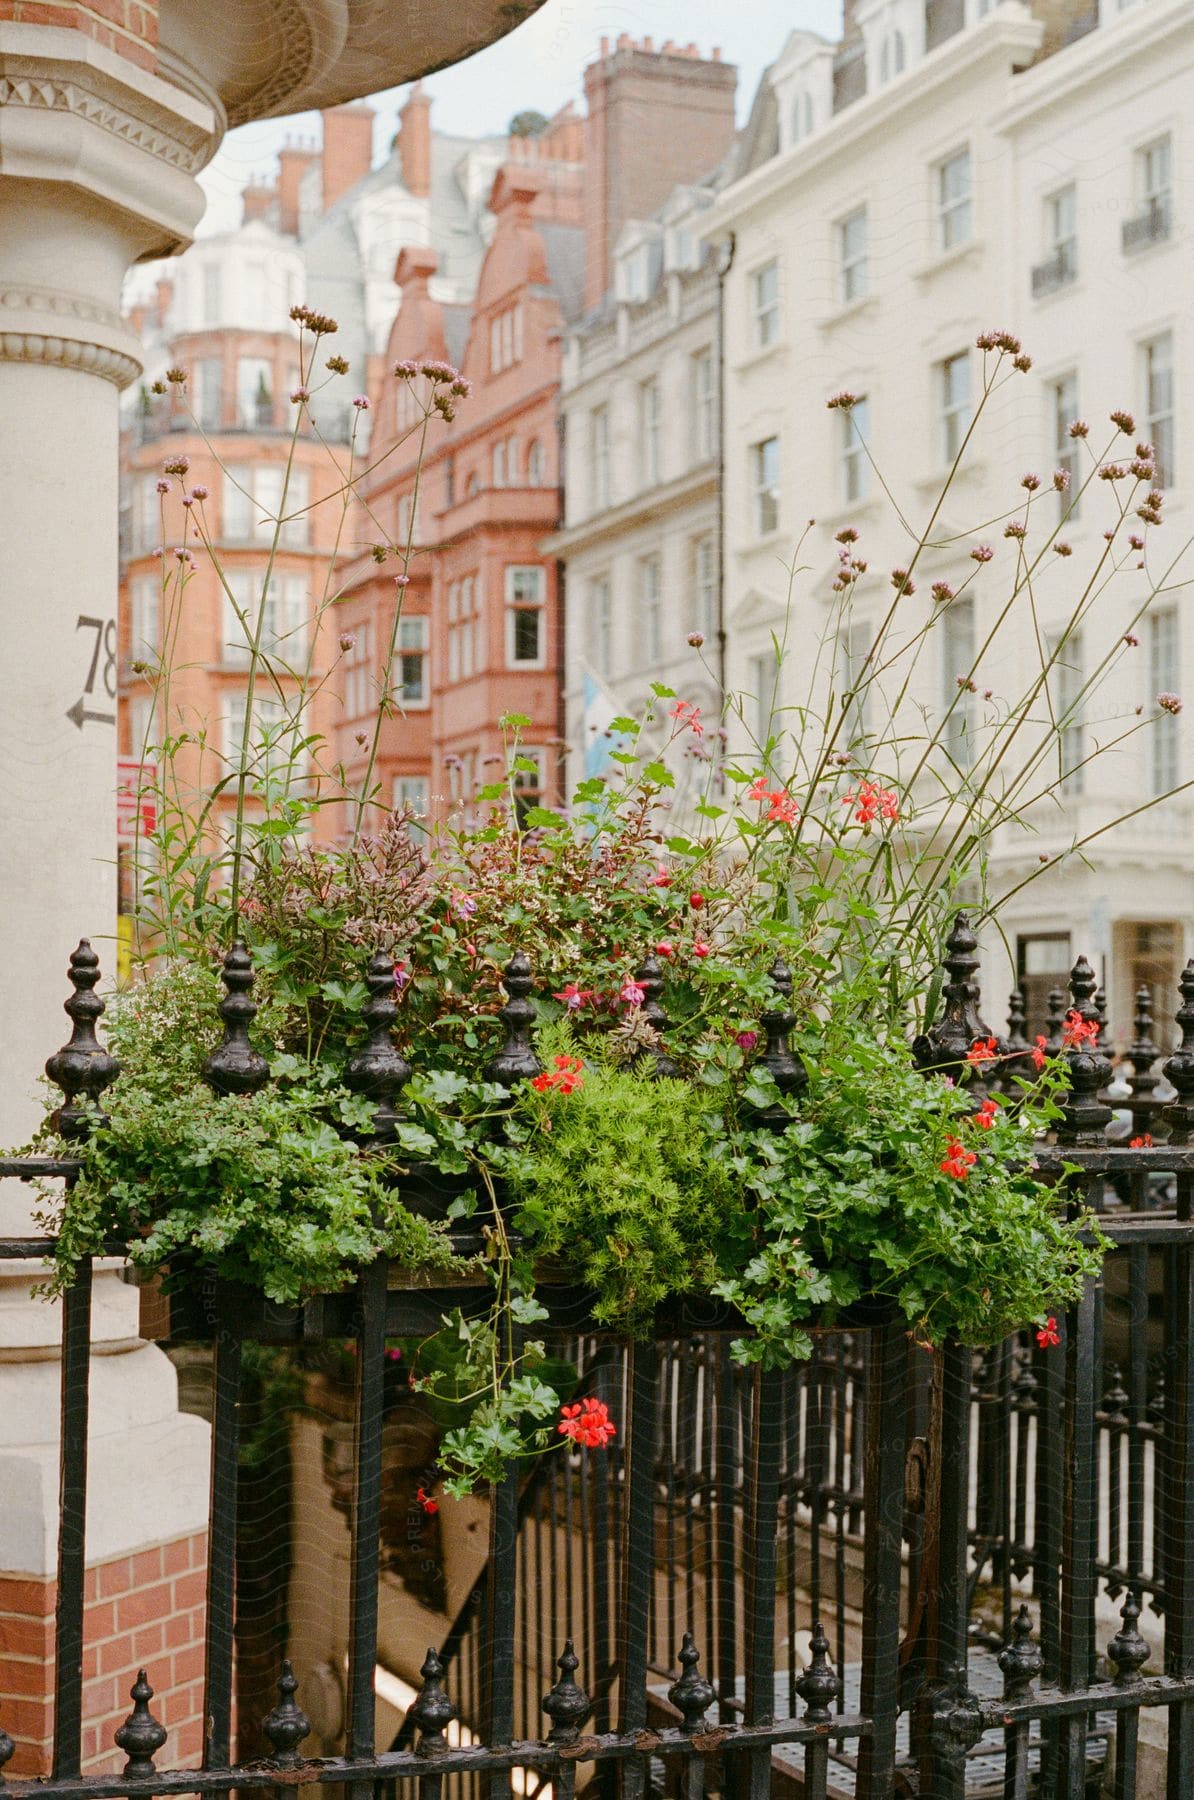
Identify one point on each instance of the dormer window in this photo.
(892, 57)
(801, 117)
(633, 275)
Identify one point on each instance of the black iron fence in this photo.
(880, 1574)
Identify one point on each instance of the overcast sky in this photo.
(539, 65)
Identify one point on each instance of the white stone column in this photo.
(97, 169)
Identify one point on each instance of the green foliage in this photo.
(265, 1189)
(620, 1179)
(853, 1205)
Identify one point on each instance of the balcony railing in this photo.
(1057, 271)
(1151, 226)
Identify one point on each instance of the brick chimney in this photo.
(414, 142)
(655, 119)
(293, 164)
(347, 149)
(256, 200)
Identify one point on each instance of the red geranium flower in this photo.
(1141, 1143)
(1039, 1052)
(986, 1114)
(982, 1053)
(564, 1078)
(957, 1161)
(426, 1502)
(587, 1422)
(1077, 1031)
(1048, 1334)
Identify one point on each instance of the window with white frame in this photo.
(704, 584)
(892, 57)
(409, 795)
(254, 393)
(407, 522)
(1164, 652)
(359, 686)
(765, 296)
(526, 596)
(650, 417)
(952, 194)
(411, 685)
(207, 375)
(764, 470)
(1154, 164)
(852, 256)
(957, 410)
(286, 622)
(253, 501)
(213, 295)
(464, 626)
(1068, 681)
(1157, 360)
(958, 645)
(800, 117)
(1063, 393)
(536, 463)
(526, 780)
(145, 596)
(599, 457)
(1061, 230)
(763, 690)
(505, 339)
(854, 426)
(147, 513)
(505, 463)
(704, 405)
(601, 624)
(143, 724)
(650, 598)
(268, 737)
(856, 641)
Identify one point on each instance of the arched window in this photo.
(536, 464)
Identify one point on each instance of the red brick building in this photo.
(477, 633)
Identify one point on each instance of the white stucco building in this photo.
(640, 541)
(946, 170)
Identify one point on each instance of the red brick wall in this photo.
(130, 27)
(140, 1611)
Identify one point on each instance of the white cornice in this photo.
(1145, 32)
(1008, 33)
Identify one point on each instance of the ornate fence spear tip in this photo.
(1083, 1113)
(777, 1057)
(235, 1067)
(650, 979)
(945, 1045)
(1021, 1660)
(378, 1070)
(567, 1705)
(818, 1687)
(82, 1068)
(287, 1725)
(1017, 1019)
(1055, 1021)
(691, 1695)
(1179, 1068)
(141, 1735)
(1128, 1649)
(516, 1060)
(431, 1710)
